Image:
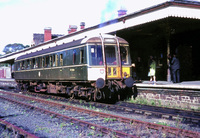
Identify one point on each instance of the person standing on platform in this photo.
(175, 67)
(152, 70)
(169, 66)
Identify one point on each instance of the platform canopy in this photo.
(178, 12)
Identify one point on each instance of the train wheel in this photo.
(72, 96)
(89, 95)
(98, 95)
(24, 88)
(19, 87)
(35, 89)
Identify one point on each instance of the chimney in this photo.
(72, 28)
(82, 25)
(47, 34)
(122, 12)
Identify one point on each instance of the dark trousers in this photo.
(176, 76)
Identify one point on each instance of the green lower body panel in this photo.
(65, 74)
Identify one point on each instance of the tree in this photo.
(10, 48)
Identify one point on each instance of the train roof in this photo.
(94, 39)
(52, 49)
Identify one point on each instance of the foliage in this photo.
(10, 48)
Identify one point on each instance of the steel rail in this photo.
(102, 129)
(167, 129)
(17, 129)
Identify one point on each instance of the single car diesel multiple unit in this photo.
(95, 68)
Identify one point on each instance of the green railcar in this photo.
(97, 68)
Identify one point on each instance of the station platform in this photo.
(6, 80)
(185, 85)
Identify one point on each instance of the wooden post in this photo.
(168, 64)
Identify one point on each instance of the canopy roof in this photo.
(179, 13)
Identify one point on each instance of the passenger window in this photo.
(28, 64)
(47, 61)
(33, 63)
(50, 61)
(74, 56)
(43, 62)
(36, 62)
(40, 62)
(81, 56)
(56, 60)
(25, 65)
(22, 65)
(69, 57)
(61, 59)
(53, 61)
(18, 65)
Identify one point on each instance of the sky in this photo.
(20, 19)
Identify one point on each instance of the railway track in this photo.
(129, 125)
(184, 116)
(14, 130)
(187, 116)
(71, 116)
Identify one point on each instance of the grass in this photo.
(160, 103)
(163, 123)
(109, 119)
(38, 128)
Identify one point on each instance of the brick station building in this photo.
(168, 28)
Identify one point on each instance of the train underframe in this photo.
(113, 90)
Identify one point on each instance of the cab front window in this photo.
(95, 55)
(111, 56)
